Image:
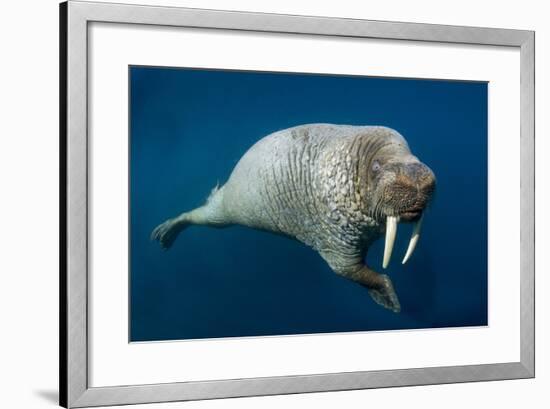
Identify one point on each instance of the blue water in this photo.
(188, 130)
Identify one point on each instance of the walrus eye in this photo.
(375, 166)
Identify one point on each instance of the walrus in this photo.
(335, 188)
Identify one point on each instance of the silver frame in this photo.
(74, 18)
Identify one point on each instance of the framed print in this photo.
(257, 204)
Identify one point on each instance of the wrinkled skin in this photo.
(328, 186)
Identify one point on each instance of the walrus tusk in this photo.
(414, 239)
(391, 231)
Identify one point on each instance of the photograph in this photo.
(285, 203)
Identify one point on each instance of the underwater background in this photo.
(189, 128)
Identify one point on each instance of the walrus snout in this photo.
(405, 198)
(423, 177)
(416, 176)
(410, 191)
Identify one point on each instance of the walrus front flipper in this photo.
(379, 285)
(385, 294)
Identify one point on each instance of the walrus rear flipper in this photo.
(211, 214)
(167, 232)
